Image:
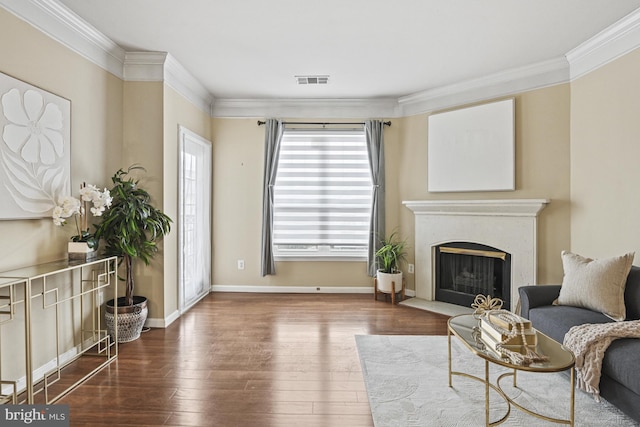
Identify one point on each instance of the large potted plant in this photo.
(391, 253)
(130, 229)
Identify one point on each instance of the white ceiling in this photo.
(252, 49)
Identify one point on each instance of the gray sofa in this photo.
(620, 381)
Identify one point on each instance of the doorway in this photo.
(194, 223)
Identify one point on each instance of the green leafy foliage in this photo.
(132, 227)
(392, 251)
(87, 237)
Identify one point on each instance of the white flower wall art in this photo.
(35, 159)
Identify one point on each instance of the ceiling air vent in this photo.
(312, 80)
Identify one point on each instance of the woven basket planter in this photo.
(130, 318)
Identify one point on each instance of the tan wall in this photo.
(96, 129)
(96, 141)
(114, 124)
(238, 150)
(605, 130)
(177, 111)
(152, 113)
(542, 171)
(143, 145)
(542, 164)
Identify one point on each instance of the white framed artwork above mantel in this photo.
(472, 149)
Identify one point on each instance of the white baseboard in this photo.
(301, 289)
(160, 322)
(294, 289)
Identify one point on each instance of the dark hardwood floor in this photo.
(248, 360)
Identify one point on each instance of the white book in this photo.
(530, 335)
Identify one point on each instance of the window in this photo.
(322, 194)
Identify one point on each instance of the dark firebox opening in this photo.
(464, 270)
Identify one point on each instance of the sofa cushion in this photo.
(621, 363)
(596, 284)
(555, 321)
(632, 294)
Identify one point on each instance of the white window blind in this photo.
(322, 195)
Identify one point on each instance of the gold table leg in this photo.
(487, 386)
(449, 344)
(573, 397)
(486, 393)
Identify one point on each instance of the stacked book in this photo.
(513, 336)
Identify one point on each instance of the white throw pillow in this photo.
(596, 284)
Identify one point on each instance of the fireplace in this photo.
(465, 269)
(509, 225)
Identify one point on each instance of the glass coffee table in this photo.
(466, 328)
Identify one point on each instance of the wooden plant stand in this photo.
(394, 291)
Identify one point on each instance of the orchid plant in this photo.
(91, 200)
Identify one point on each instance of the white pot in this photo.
(80, 250)
(385, 281)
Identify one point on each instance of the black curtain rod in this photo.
(260, 123)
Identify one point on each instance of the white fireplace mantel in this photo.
(515, 207)
(509, 225)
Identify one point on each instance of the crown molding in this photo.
(306, 108)
(63, 25)
(504, 83)
(163, 67)
(611, 43)
(182, 81)
(144, 66)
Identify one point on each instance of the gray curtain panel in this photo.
(272, 137)
(375, 148)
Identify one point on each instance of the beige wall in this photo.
(96, 129)
(542, 164)
(178, 111)
(96, 141)
(152, 113)
(542, 171)
(605, 148)
(143, 145)
(113, 124)
(238, 150)
(575, 146)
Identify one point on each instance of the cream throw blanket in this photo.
(588, 343)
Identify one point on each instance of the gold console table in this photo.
(52, 333)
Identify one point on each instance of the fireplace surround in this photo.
(510, 225)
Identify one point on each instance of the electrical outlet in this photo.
(411, 268)
(240, 264)
(100, 298)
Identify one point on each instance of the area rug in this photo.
(407, 384)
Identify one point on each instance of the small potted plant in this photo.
(130, 230)
(83, 244)
(391, 253)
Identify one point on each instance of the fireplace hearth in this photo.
(465, 269)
